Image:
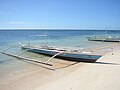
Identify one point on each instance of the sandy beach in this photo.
(101, 75)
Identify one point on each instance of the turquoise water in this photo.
(60, 38)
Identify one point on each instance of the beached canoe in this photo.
(73, 55)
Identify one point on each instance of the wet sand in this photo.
(101, 75)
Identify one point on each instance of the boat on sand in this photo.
(71, 55)
(74, 55)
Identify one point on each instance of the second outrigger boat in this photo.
(105, 38)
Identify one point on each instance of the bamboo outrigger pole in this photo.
(53, 57)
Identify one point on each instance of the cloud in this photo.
(17, 22)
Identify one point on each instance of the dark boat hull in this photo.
(66, 56)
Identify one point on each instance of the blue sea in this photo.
(65, 38)
(60, 38)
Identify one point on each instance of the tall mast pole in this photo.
(29, 39)
(46, 38)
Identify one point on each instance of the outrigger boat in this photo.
(72, 55)
(105, 38)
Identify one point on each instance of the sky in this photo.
(60, 14)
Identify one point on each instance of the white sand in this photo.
(102, 75)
